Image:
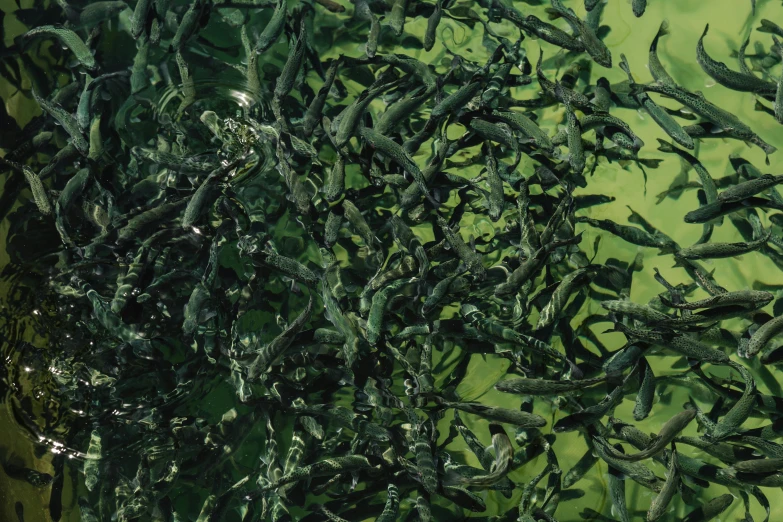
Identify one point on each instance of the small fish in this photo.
(593, 45)
(274, 28)
(67, 121)
(285, 81)
(591, 414)
(545, 387)
(547, 32)
(140, 17)
(701, 106)
(721, 250)
(749, 298)
(495, 185)
(457, 99)
(643, 313)
(399, 111)
(504, 455)
(147, 218)
(728, 78)
(392, 506)
(356, 219)
(739, 412)
(758, 466)
(397, 16)
(189, 24)
(517, 418)
(778, 107)
(707, 183)
(272, 352)
(396, 153)
(667, 434)
(616, 486)
(761, 337)
(633, 235)
(127, 282)
(40, 196)
(633, 470)
(290, 267)
(638, 6)
(668, 490)
(472, 259)
(580, 469)
(679, 343)
(710, 510)
(422, 449)
(297, 192)
(378, 307)
(528, 127)
(323, 468)
(33, 477)
(175, 162)
(432, 25)
(69, 39)
(644, 397)
(139, 80)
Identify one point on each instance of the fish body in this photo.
(545, 387)
(721, 250)
(593, 45)
(723, 75)
(69, 39)
(762, 336)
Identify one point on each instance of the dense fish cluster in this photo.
(263, 280)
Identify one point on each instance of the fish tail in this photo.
(665, 146)
(663, 30)
(452, 478)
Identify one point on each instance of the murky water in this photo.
(174, 416)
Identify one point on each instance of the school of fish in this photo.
(257, 274)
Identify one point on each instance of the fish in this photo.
(68, 122)
(723, 75)
(378, 307)
(272, 352)
(749, 298)
(514, 417)
(69, 39)
(397, 154)
(472, 259)
(433, 21)
(668, 490)
(592, 44)
(710, 509)
(285, 82)
(633, 235)
(322, 468)
(739, 412)
(545, 387)
(638, 6)
(273, 29)
(504, 455)
(644, 397)
(721, 250)
(139, 18)
(526, 270)
(189, 24)
(666, 435)
(761, 337)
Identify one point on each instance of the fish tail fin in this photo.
(665, 146)
(452, 478)
(663, 30)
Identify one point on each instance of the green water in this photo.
(730, 22)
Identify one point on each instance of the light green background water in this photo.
(730, 21)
